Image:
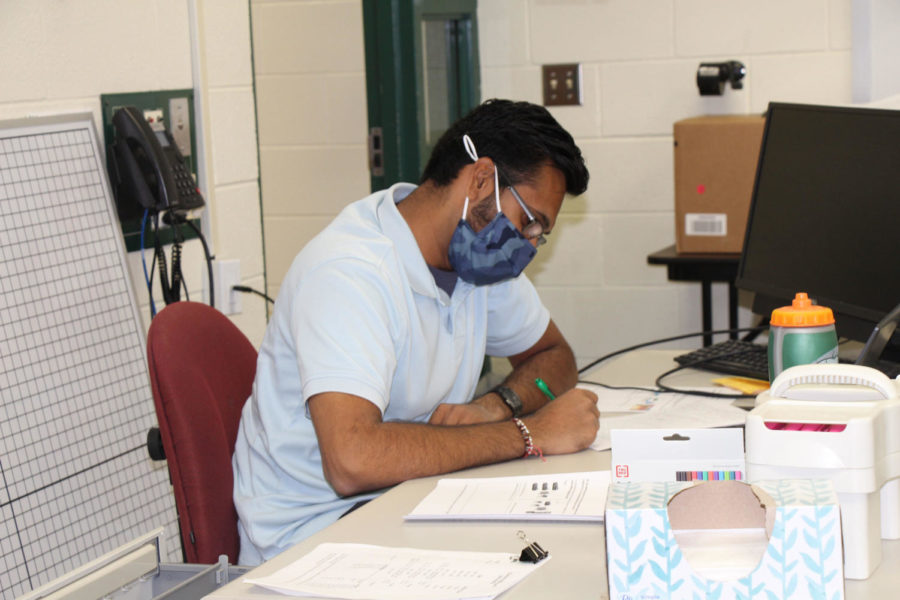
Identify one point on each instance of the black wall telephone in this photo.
(149, 178)
(147, 170)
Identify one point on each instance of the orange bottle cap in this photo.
(802, 313)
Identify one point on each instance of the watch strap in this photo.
(510, 399)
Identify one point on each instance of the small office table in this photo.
(577, 567)
(705, 268)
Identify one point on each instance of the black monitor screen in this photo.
(825, 215)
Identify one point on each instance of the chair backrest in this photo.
(201, 369)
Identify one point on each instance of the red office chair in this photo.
(201, 370)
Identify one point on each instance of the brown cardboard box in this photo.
(715, 165)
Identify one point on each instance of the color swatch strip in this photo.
(708, 476)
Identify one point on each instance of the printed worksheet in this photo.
(560, 497)
(365, 572)
(672, 411)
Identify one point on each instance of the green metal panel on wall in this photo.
(391, 86)
(421, 75)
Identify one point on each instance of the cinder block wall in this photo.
(59, 57)
(639, 61)
(311, 92)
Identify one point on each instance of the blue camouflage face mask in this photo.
(496, 253)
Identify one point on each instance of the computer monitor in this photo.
(825, 215)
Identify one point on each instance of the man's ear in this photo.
(481, 180)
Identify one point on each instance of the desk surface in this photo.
(578, 565)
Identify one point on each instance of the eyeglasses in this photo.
(533, 230)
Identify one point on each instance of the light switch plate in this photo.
(180, 124)
(561, 84)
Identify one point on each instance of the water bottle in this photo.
(801, 334)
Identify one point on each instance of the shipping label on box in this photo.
(715, 167)
(677, 455)
(724, 540)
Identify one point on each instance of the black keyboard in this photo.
(747, 359)
(732, 357)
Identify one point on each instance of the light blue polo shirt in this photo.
(359, 312)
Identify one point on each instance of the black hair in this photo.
(519, 137)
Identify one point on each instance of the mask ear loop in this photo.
(497, 189)
(469, 145)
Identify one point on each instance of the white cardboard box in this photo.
(677, 454)
(651, 527)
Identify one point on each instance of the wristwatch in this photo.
(510, 398)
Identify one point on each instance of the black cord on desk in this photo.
(664, 388)
(661, 387)
(620, 387)
(668, 339)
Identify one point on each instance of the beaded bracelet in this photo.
(530, 448)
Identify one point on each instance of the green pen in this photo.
(543, 387)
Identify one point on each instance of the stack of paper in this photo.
(560, 497)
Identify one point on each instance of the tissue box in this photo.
(656, 533)
(715, 166)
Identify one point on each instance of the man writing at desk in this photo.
(368, 369)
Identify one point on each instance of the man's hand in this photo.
(567, 424)
(480, 410)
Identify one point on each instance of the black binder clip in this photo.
(532, 553)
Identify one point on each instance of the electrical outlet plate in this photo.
(561, 84)
(226, 273)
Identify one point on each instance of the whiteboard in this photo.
(75, 400)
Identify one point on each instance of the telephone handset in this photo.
(150, 178)
(150, 170)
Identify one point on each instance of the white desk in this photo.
(577, 568)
